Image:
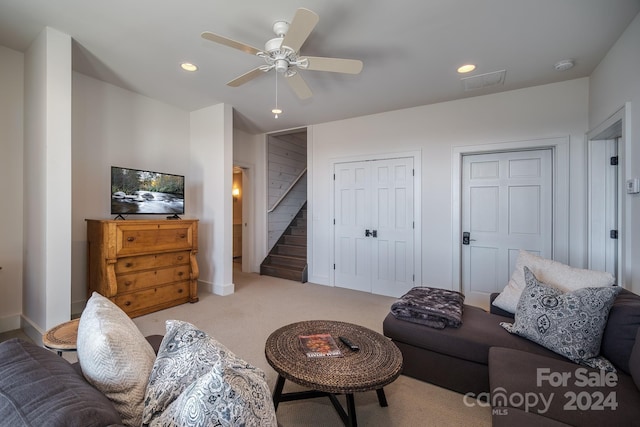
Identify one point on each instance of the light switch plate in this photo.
(633, 186)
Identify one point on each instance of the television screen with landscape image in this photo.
(135, 191)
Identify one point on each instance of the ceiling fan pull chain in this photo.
(276, 110)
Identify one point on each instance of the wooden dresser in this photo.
(143, 265)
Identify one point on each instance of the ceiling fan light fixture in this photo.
(276, 112)
(281, 65)
(467, 68)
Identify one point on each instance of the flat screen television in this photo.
(138, 192)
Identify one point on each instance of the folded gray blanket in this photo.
(434, 307)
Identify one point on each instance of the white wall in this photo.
(117, 127)
(615, 82)
(555, 110)
(211, 172)
(47, 178)
(11, 181)
(249, 151)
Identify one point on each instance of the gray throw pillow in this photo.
(570, 324)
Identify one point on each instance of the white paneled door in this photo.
(603, 205)
(506, 206)
(374, 225)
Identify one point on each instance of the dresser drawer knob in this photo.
(128, 303)
(180, 273)
(128, 283)
(129, 264)
(180, 258)
(182, 236)
(180, 291)
(130, 239)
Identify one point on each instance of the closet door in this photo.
(352, 196)
(392, 218)
(507, 205)
(374, 226)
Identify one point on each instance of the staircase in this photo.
(288, 258)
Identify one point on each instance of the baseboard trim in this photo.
(10, 323)
(31, 330)
(222, 290)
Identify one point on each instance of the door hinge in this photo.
(334, 266)
(414, 278)
(334, 221)
(414, 224)
(413, 172)
(613, 234)
(334, 176)
(613, 161)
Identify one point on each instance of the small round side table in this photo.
(62, 337)
(376, 364)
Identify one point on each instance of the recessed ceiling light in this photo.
(188, 66)
(467, 68)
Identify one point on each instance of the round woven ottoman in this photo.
(378, 362)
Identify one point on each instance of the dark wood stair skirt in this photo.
(288, 257)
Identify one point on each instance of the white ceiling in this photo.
(410, 48)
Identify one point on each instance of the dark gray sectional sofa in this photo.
(40, 388)
(481, 359)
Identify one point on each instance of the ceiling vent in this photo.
(482, 81)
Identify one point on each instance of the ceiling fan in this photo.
(282, 53)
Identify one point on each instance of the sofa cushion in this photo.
(39, 388)
(571, 323)
(550, 272)
(197, 381)
(634, 361)
(479, 331)
(114, 356)
(574, 394)
(620, 333)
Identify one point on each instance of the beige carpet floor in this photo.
(243, 321)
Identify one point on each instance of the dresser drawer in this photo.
(146, 279)
(137, 303)
(145, 262)
(138, 239)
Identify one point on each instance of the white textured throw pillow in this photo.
(551, 272)
(115, 357)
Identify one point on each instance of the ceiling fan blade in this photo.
(246, 77)
(228, 42)
(334, 65)
(299, 86)
(301, 26)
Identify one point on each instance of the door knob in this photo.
(367, 233)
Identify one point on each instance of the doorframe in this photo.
(560, 187)
(248, 215)
(623, 115)
(417, 206)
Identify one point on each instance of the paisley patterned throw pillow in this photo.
(196, 381)
(570, 324)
